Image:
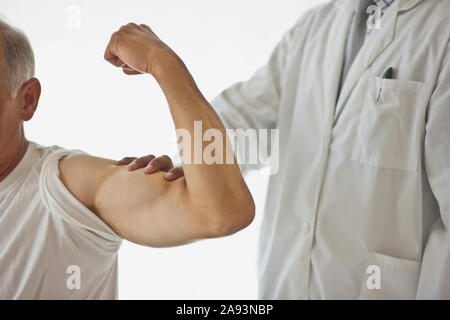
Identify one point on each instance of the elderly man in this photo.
(63, 214)
(360, 208)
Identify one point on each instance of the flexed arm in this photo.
(212, 200)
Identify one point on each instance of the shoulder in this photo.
(432, 13)
(441, 8)
(67, 184)
(321, 11)
(55, 163)
(310, 23)
(317, 20)
(42, 157)
(83, 174)
(49, 155)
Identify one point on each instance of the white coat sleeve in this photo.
(254, 104)
(434, 282)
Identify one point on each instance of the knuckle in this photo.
(155, 162)
(121, 32)
(116, 36)
(166, 159)
(146, 27)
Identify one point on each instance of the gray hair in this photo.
(19, 57)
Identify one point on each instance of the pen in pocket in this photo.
(388, 74)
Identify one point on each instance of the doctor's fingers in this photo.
(153, 164)
(174, 174)
(163, 163)
(135, 163)
(125, 161)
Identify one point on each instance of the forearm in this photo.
(212, 184)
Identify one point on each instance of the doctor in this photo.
(360, 208)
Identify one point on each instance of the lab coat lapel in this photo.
(374, 45)
(334, 59)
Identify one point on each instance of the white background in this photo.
(88, 104)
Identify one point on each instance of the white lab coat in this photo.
(361, 183)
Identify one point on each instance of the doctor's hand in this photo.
(151, 164)
(136, 49)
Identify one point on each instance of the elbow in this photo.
(231, 217)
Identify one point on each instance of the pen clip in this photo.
(380, 89)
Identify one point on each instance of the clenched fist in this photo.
(136, 49)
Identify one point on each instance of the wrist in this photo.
(163, 63)
(173, 76)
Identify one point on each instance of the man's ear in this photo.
(29, 95)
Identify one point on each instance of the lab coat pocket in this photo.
(389, 278)
(391, 123)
